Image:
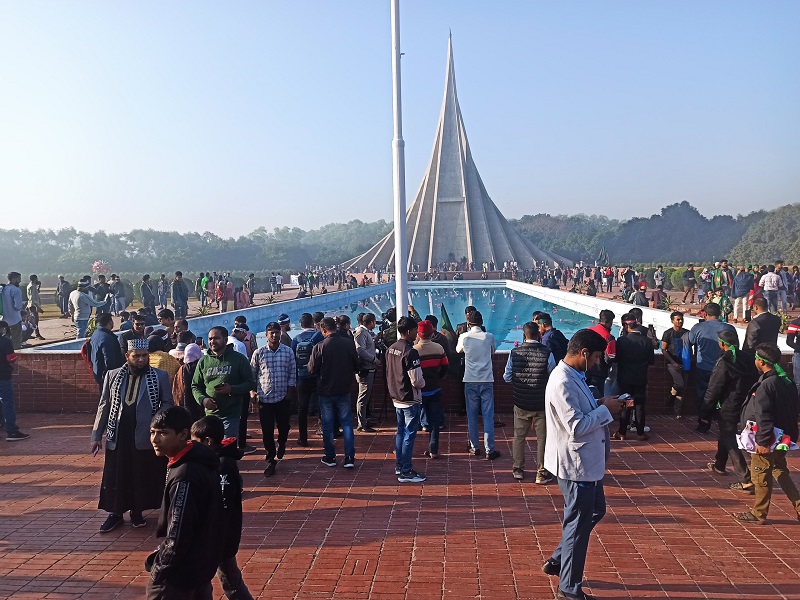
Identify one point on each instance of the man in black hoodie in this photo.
(634, 357)
(733, 375)
(211, 432)
(771, 404)
(183, 565)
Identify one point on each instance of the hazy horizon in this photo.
(270, 113)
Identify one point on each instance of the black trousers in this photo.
(270, 415)
(728, 448)
(639, 396)
(306, 388)
(165, 591)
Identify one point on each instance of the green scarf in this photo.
(778, 369)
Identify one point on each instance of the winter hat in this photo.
(425, 329)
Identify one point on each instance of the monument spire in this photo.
(452, 216)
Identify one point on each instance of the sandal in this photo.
(712, 466)
(618, 436)
(748, 517)
(740, 487)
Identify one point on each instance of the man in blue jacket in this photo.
(106, 353)
(742, 284)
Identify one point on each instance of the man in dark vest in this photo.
(527, 370)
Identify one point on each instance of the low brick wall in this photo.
(61, 382)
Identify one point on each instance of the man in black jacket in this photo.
(528, 370)
(771, 404)
(763, 328)
(733, 375)
(190, 523)
(634, 357)
(333, 361)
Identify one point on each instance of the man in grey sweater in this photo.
(80, 306)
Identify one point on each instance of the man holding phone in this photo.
(222, 381)
(576, 451)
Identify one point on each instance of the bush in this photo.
(668, 285)
(677, 279)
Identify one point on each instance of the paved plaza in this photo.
(470, 531)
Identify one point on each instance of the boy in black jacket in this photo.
(732, 377)
(190, 522)
(210, 431)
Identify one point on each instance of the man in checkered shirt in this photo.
(275, 371)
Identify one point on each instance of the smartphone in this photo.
(624, 397)
(199, 341)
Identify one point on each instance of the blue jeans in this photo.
(231, 426)
(329, 408)
(480, 398)
(432, 406)
(81, 324)
(782, 297)
(772, 300)
(407, 425)
(796, 370)
(162, 300)
(7, 400)
(584, 506)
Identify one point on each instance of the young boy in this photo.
(190, 522)
(210, 431)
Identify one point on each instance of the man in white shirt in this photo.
(771, 282)
(237, 339)
(576, 451)
(478, 348)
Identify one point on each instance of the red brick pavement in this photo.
(470, 531)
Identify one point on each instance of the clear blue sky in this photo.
(226, 116)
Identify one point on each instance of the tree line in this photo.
(678, 234)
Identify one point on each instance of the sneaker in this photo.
(429, 454)
(270, 470)
(281, 451)
(411, 477)
(112, 522)
(349, 462)
(328, 461)
(492, 455)
(544, 479)
(338, 433)
(712, 466)
(551, 567)
(397, 470)
(17, 436)
(474, 451)
(367, 430)
(248, 449)
(518, 474)
(137, 520)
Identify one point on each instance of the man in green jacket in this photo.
(222, 381)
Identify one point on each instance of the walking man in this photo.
(405, 381)
(771, 404)
(576, 452)
(478, 348)
(274, 371)
(133, 476)
(528, 370)
(672, 348)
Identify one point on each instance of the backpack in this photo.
(302, 354)
(86, 354)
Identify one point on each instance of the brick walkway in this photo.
(470, 532)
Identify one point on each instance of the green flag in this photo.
(446, 325)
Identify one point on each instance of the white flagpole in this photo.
(399, 173)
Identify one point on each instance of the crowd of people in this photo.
(173, 412)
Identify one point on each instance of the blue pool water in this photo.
(504, 311)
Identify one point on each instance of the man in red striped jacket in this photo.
(433, 360)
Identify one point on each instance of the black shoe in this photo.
(338, 433)
(564, 596)
(328, 461)
(303, 443)
(248, 449)
(112, 522)
(137, 520)
(367, 430)
(281, 451)
(247, 436)
(349, 462)
(551, 567)
(474, 451)
(270, 470)
(17, 436)
(492, 455)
